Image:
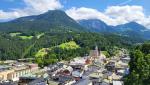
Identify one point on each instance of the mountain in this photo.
(132, 26)
(54, 20)
(59, 21)
(96, 25)
(131, 29)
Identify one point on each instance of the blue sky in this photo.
(113, 12)
(96, 4)
(103, 4)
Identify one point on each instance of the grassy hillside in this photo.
(69, 45)
(42, 52)
(65, 46)
(13, 34)
(26, 37)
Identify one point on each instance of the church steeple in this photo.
(95, 53)
(96, 47)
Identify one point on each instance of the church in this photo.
(96, 55)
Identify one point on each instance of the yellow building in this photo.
(15, 72)
(4, 74)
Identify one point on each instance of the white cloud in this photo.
(113, 15)
(87, 13)
(33, 7)
(84, 13)
(43, 5)
(128, 14)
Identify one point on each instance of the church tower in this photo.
(96, 48)
(94, 53)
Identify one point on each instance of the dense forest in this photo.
(17, 47)
(139, 66)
